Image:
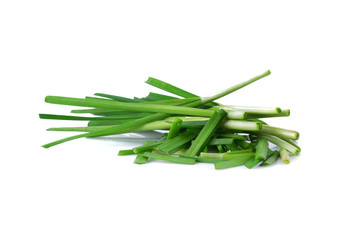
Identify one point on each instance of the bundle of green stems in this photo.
(194, 129)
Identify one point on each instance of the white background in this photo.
(83, 190)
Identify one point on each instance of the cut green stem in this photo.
(242, 125)
(280, 143)
(175, 128)
(183, 160)
(232, 163)
(169, 88)
(280, 132)
(206, 133)
(285, 158)
(261, 153)
(272, 159)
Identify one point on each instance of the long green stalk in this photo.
(141, 121)
(251, 109)
(79, 118)
(117, 98)
(234, 88)
(155, 125)
(111, 130)
(140, 107)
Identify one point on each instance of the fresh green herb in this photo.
(195, 129)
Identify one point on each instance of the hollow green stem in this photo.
(261, 153)
(252, 110)
(283, 113)
(280, 132)
(285, 158)
(242, 125)
(272, 159)
(280, 143)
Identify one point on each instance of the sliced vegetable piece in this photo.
(285, 158)
(206, 133)
(170, 158)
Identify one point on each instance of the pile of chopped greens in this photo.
(196, 129)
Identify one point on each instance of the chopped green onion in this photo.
(169, 158)
(233, 147)
(232, 163)
(220, 148)
(171, 145)
(169, 88)
(140, 159)
(211, 155)
(206, 133)
(253, 110)
(218, 141)
(175, 128)
(231, 135)
(272, 159)
(283, 113)
(242, 125)
(230, 156)
(280, 143)
(280, 132)
(126, 152)
(243, 144)
(285, 158)
(261, 153)
(146, 147)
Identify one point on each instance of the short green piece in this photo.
(285, 158)
(206, 133)
(169, 158)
